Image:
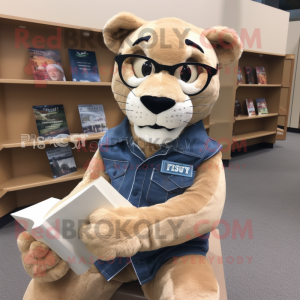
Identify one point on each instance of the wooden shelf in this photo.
(258, 85)
(35, 180)
(5, 18)
(252, 135)
(262, 128)
(262, 53)
(16, 143)
(48, 82)
(25, 174)
(242, 118)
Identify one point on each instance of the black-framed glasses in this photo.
(134, 68)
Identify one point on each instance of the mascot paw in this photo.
(113, 233)
(40, 262)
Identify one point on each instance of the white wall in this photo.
(238, 14)
(293, 48)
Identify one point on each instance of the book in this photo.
(84, 65)
(237, 108)
(92, 118)
(250, 107)
(51, 121)
(249, 75)
(61, 161)
(262, 108)
(57, 223)
(261, 75)
(239, 75)
(46, 64)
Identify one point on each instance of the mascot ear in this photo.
(226, 44)
(118, 28)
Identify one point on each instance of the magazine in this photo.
(237, 108)
(239, 76)
(46, 64)
(51, 121)
(262, 108)
(261, 75)
(92, 118)
(250, 107)
(84, 65)
(61, 161)
(249, 75)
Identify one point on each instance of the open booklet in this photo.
(56, 223)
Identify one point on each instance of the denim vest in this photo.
(141, 182)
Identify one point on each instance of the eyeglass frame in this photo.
(171, 69)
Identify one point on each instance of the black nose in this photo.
(157, 104)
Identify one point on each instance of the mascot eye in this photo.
(142, 67)
(188, 73)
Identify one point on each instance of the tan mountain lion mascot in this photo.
(160, 159)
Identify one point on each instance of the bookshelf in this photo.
(284, 105)
(25, 173)
(261, 129)
(42, 83)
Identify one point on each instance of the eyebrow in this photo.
(144, 38)
(190, 43)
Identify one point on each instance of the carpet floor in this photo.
(260, 228)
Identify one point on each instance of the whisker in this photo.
(201, 105)
(120, 95)
(189, 122)
(195, 113)
(122, 102)
(126, 86)
(126, 109)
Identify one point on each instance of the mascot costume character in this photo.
(160, 159)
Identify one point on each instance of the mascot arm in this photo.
(196, 212)
(127, 230)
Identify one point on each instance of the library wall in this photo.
(263, 28)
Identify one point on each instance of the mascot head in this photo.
(167, 72)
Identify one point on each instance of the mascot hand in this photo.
(113, 233)
(40, 262)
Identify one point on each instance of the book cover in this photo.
(261, 75)
(250, 107)
(249, 75)
(46, 64)
(239, 75)
(237, 108)
(84, 65)
(92, 118)
(61, 161)
(262, 108)
(51, 121)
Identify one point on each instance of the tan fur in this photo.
(118, 28)
(40, 262)
(91, 285)
(203, 201)
(159, 85)
(167, 48)
(226, 43)
(188, 277)
(183, 278)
